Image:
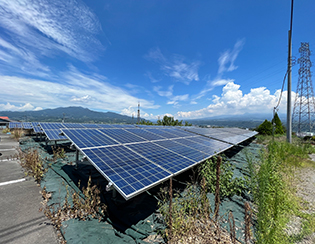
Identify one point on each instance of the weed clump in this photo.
(17, 134)
(189, 216)
(33, 163)
(74, 206)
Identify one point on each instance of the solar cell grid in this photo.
(161, 132)
(15, 125)
(167, 159)
(216, 146)
(145, 134)
(53, 135)
(72, 125)
(27, 125)
(122, 136)
(91, 126)
(127, 170)
(85, 138)
(188, 152)
(51, 126)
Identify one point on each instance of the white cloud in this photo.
(173, 100)
(229, 57)
(175, 67)
(41, 28)
(226, 58)
(25, 107)
(232, 102)
(91, 91)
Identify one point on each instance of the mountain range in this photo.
(69, 114)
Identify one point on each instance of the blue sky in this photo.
(188, 59)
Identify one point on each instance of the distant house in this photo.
(4, 121)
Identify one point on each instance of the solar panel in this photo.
(85, 138)
(169, 160)
(27, 125)
(51, 126)
(145, 134)
(36, 127)
(122, 136)
(161, 132)
(128, 171)
(54, 135)
(72, 125)
(91, 126)
(136, 159)
(15, 125)
(233, 135)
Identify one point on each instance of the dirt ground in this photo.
(305, 190)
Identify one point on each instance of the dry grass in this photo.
(32, 162)
(81, 208)
(17, 134)
(190, 219)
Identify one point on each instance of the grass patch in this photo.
(273, 185)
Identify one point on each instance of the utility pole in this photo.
(289, 115)
(138, 113)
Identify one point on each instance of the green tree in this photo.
(279, 127)
(265, 128)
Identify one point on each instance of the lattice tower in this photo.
(304, 106)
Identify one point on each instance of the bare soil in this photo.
(305, 190)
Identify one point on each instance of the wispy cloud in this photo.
(175, 67)
(88, 90)
(173, 100)
(226, 64)
(43, 28)
(150, 76)
(227, 59)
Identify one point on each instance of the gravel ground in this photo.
(305, 190)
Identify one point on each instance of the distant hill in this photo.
(71, 114)
(250, 121)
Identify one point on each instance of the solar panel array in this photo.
(15, 125)
(229, 135)
(53, 130)
(136, 159)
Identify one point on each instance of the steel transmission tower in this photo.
(304, 106)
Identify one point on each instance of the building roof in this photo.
(4, 117)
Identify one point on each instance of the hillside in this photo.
(71, 114)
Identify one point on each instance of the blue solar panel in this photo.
(51, 126)
(54, 135)
(72, 125)
(135, 159)
(212, 148)
(145, 134)
(161, 132)
(84, 138)
(27, 125)
(129, 172)
(36, 127)
(105, 126)
(15, 125)
(167, 159)
(91, 126)
(122, 136)
(188, 152)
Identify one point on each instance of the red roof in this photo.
(4, 117)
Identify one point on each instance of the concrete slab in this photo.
(20, 219)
